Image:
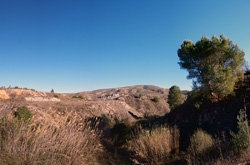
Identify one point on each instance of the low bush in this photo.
(156, 146)
(201, 142)
(56, 96)
(23, 113)
(156, 99)
(201, 147)
(77, 97)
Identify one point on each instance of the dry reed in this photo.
(55, 139)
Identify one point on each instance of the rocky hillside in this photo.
(123, 103)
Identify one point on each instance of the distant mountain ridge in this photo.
(136, 90)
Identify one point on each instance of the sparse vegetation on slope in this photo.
(61, 134)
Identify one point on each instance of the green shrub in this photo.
(23, 113)
(77, 97)
(201, 143)
(156, 99)
(241, 140)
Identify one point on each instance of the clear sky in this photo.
(82, 45)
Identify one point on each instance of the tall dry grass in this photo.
(154, 147)
(53, 140)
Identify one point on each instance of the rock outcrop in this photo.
(4, 95)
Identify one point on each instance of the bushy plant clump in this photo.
(77, 97)
(154, 147)
(156, 99)
(23, 113)
(201, 149)
(201, 142)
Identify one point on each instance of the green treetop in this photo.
(213, 64)
(174, 97)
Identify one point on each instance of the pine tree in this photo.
(241, 140)
(213, 64)
(174, 97)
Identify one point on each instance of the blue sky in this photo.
(82, 45)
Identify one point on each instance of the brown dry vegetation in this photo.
(119, 126)
(60, 131)
(156, 146)
(64, 140)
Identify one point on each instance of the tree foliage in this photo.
(174, 97)
(213, 64)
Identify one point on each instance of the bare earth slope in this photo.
(124, 103)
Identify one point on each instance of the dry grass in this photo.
(155, 147)
(54, 140)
